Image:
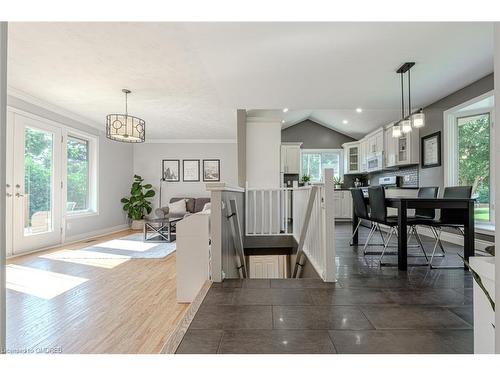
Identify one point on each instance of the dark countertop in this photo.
(388, 187)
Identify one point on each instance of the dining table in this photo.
(464, 215)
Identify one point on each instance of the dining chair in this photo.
(361, 211)
(450, 218)
(378, 214)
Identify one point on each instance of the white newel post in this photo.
(216, 235)
(330, 266)
(497, 178)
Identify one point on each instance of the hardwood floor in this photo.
(129, 308)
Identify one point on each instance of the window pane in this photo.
(311, 166)
(78, 175)
(37, 181)
(474, 160)
(331, 160)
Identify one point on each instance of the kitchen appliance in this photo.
(374, 162)
(391, 181)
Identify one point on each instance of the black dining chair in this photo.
(378, 214)
(361, 210)
(423, 215)
(451, 218)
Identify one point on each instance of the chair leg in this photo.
(354, 233)
(438, 239)
(381, 235)
(385, 245)
(372, 230)
(421, 245)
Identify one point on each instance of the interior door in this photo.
(36, 185)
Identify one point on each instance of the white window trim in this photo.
(93, 174)
(340, 151)
(451, 147)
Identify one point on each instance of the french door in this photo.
(34, 191)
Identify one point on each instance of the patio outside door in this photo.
(35, 185)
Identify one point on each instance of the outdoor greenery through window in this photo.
(38, 154)
(78, 181)
(474, 160)
(313, 163)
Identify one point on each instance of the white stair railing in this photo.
(267, 211)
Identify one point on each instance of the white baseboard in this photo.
(77, 238)
(453, 238)
(95, 233)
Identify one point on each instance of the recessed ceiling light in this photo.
(345, 122)
(359, 110)
(282, 121)
(285, 110)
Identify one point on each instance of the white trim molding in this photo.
(194, 140)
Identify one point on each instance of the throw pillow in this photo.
(177, 208)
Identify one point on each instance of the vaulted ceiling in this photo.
(189, 78)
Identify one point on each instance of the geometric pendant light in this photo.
(124, 127)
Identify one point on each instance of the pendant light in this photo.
(124, 127)
(413, 120)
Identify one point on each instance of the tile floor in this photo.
(369, 310)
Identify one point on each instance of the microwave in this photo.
(374, 162)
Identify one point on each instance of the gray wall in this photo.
(148, 163)
(314, 135)
(115, 175)
(434, 122)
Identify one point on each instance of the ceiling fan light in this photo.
(418, 120)
(396, 131)
(406, 126)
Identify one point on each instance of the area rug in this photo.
(129, 247)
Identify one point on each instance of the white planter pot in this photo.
(338, 187)
(137, 224)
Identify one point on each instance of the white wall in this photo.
(263, 146)
(3, 136)
(497, 184)
(148, 164)
(115, 176)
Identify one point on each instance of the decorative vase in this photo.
(338, 186)
(137, 224)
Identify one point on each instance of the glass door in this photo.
(36, 189)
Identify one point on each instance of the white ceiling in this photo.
(189, 78)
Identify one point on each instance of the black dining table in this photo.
(463, 207)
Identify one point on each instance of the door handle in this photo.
(9, 195)
(19, 195)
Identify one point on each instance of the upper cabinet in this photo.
(403, 150)
(290, 158)
(352, 157)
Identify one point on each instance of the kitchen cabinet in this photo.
(352, 157)
(403, 150)
(363, 152)
(342, 201)
(390, 147)
(290, 158)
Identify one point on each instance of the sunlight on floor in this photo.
(127, 245)
(40, 283)
(88, 258)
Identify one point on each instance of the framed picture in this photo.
(171, 170)
(191, 170)
(211, 170)
(431, 150)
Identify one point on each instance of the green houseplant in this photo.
(337, 182)
(306, 179)
(137, 205)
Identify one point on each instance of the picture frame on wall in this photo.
(211, 170)
(431, 150)
(190, 170)
(171, 170)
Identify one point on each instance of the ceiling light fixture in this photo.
(412, 120)
(285, 110)
(359, 110)
(125, 128)
(345, 122)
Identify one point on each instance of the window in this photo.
(468, 135)
(314, 161)
(80, 175)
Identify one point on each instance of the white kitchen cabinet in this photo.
(342, 204)
(290, 158)
(390, 147)
(363, 153)
(407, 148)
(352, 157)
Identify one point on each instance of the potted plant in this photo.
(337, 182)
(138, 204)
(306, 179)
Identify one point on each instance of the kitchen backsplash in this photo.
(410, 176)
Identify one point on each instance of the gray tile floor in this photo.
(369, 310)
